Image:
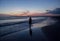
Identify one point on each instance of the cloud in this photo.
(55, 11)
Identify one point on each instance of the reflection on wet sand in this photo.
(30, 31)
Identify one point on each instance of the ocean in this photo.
(10, 26)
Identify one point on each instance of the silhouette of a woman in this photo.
(30, 24)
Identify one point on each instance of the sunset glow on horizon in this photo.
(27, 7)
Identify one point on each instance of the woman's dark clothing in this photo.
(30, 21)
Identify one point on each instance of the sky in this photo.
(15, 6)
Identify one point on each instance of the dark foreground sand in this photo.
(47, 33)
(53, 31)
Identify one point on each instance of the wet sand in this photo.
(46, 33)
